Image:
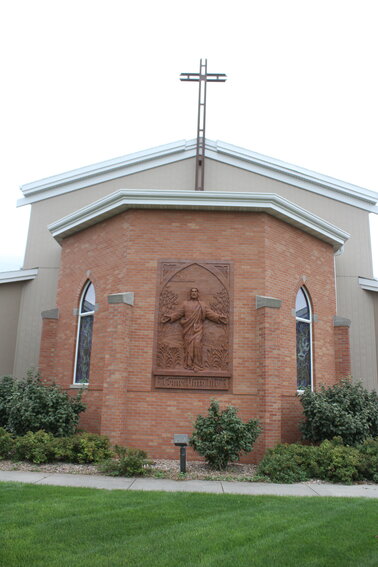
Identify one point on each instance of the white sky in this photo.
(86, 81)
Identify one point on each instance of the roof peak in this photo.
(184, 149)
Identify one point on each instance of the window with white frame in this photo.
(304, 340)
(84, 334)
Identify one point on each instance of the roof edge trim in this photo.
(368, 284)
(106, 170)
(220, 151)
(294, 175)
(270, 203)
(18, 276)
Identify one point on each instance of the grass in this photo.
(56, 526)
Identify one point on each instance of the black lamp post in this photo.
(181, 440)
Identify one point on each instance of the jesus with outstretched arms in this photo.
(192, 315)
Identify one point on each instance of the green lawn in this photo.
(74, 527)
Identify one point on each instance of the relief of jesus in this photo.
(192, 315)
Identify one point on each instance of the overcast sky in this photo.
(86, 81)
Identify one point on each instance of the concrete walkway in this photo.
(216, 487)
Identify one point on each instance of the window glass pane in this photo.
(303, 355)
(302, 309)
(89, 300)
(84, 350)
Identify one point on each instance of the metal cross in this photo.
(203, 77)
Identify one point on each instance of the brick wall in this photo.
(342, 352)
(270, 258)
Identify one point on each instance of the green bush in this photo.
(368, 466)
(41, 447)
(82, 448)
(331, 461)
(221, 436)
(128, 462)
(337, 462)
(346, 410)
(89, 448)
(6, 444)
(288, 463)
(64, 449)
(30, 405)
(37, 447)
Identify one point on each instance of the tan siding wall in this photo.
(357, 305)
(10, 296)
(36, 297)
(375, 303)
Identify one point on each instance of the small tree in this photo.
(345, 410)
(29, 405)
(222, 436)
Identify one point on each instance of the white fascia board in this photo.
(368, 284)
(18, 276)
(293, 175)
(106, 171)
(270, 203)
(218, 151)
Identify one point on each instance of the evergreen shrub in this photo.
(345, 410)
(337, 462)
(221, 436)
(368, 466)
(83, 448)
(128, 462)
(41, 447)
(6, 444)
(331, 461)
(37, 447)
(288, 463)
(31, 405)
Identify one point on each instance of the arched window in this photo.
(84, 334)
(304, 340)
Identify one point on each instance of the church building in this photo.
(155, 298)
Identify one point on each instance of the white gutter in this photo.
(18, 276)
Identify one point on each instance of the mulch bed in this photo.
(161, 468)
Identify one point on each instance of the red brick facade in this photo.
(270, 258)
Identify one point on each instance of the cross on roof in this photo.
(203, 77)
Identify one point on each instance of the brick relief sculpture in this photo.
(193, 326)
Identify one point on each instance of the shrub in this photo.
(89, 448)
(221, 436)
(6, 444)
(288, 463)
(42, 447)
(368, 466)
(337, 462)
(346, 410)
(331, 461)
(128, 462)
(30, 405)
(37, 447)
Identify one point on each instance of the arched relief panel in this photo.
(193, 329)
